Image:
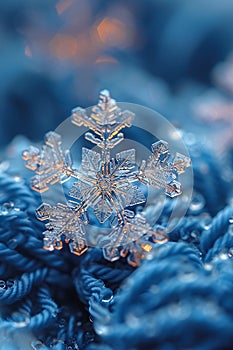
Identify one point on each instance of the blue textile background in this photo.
(181, 298)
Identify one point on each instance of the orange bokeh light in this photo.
(106, 59)
(64, 46)
(112, 32)
(62, 5)
(27, 51)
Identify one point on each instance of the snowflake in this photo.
(105, 187)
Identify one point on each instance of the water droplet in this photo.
(54, 313)
(132, 321)
(230, 252)
(230, 230)
(208, 267)
(101, 329)
(9, 205)
(107, 298)
(188, 277)
(10, 283)
(206, 223)
(62, 322)
(4, 166)
(6, 208)
(194, 234)
(18, 179)
(20, 320)
(223, 256)
(183, 234)
(12, 244)
(3, 210)
(2, 284)
(197, 203)
(56, 341)
(150, 255)
(231, 220)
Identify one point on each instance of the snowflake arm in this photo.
(134, 237)
(161, 170)
(51, 164)
(106, 121)
(62, 220)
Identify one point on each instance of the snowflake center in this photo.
(104, 183)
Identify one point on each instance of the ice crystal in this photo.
(105, 187)
(50, 163)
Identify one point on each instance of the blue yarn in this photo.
(48, 310)
(208, 180)
(158, 285)
(16, 190)
(219, 226)
(22, 286)
(180, 298)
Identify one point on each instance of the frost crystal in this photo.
(106, 188)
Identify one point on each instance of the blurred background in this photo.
(171, 55)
